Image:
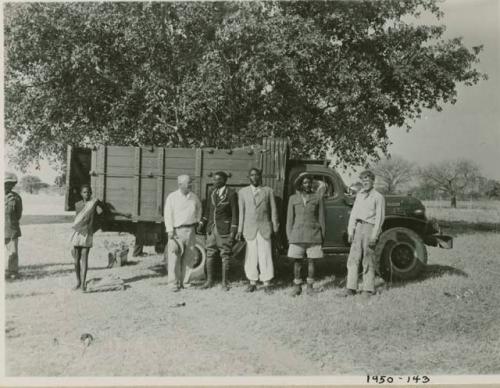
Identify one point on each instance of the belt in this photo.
(358, 221)
(186, 226)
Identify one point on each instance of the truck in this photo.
(136, 180)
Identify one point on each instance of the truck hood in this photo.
(404, 205)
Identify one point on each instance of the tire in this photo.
(401, 254)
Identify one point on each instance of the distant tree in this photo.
(327, 74)
(32, 184)
(492, 189)
(451, 177)
(393, 173)
(60, 180)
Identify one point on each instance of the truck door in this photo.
(78, 164)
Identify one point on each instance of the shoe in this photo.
(297, 290)
(268, 290)
(348, 292)
(310, 289)
(225, 286)
(206, 285)
(367, 294)
(251, 288)
(176, 288)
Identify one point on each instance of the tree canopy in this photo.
(224, 74)
(393, 174)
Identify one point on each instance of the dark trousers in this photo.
(218, 245)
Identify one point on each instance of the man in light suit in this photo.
(258, 220)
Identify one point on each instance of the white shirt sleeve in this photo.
(352, 218)
(379, 216)
(169, 215)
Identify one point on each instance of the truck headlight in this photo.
(419, 212)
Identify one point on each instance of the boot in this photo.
(225, 276)
(310, 289)
(210, 274)
(297, 290)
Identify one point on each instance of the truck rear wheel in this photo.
(401, 254)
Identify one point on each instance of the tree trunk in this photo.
(454, 201)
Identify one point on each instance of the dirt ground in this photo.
(444, 323)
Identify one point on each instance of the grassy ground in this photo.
(444, 323)
(466, 211)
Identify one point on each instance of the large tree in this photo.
(222, 74)
(452, 177)
(393, 174)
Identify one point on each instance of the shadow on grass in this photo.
(141, 277)
(41, 271)
(47, 219)
(432, 271)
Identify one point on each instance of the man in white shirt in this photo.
(365, 225)
(182, 216)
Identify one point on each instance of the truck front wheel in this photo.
(401, 254)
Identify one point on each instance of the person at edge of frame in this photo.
(84, 227)
(305, 229)
(13, 213)
(182, 215)
(365, 225)
(258, 221)
(221, 220)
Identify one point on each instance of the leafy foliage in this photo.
(393, 173)
(32, 184)
(224, 74)
(451, 177)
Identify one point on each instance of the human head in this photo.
(305, 184)
(10, 180)
(220, 179)
(255, 176)
(86, 192)
(185, 184)
(367, 179)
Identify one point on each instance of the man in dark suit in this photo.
(221, 218)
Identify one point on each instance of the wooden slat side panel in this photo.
(159, 181)
(137, 183)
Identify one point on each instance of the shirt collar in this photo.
(188, 195)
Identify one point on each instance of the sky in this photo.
(469, 129)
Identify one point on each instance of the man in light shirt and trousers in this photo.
(258, 220)
(365, 226)
(182, 215)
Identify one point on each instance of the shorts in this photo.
(302, 250)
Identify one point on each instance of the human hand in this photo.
(349, 238)
(372, 242)
(238, 236)
(171, 235)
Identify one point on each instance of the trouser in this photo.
(178, 265)
(361, 251)
(221, 245)
(297, 271)
(259, 258)
(11, 250)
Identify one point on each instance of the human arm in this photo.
(352, 222)
(233, 199)
(290, 218)
(379, 218)
(321, 217)
(169, 216)
(241, 215)
(274, 211)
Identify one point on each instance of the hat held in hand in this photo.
(10, 177)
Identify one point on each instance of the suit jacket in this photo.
(13, 213)
(305, 223)
(221, 213)
(257, 214)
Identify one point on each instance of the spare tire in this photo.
(401, 254)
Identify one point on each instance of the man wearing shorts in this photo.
(305, 229)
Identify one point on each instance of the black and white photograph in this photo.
(251, 192)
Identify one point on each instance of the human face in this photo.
(8, 186)
(307, 185)
(186, 186)
(219, 181)
(367, 183)
(255, 178)
(86, 193)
